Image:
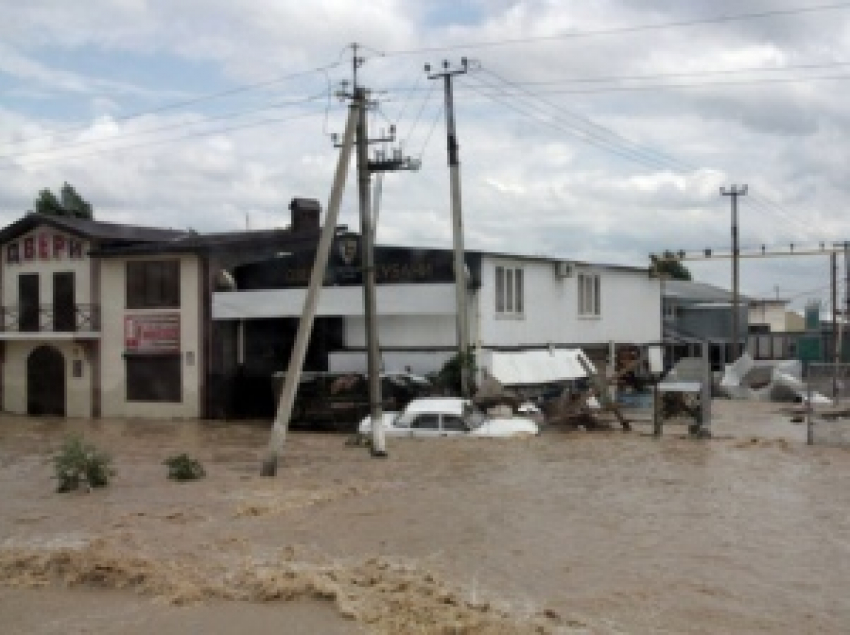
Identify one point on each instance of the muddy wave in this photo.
(386, 597)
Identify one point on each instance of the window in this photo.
(154, 378)
(453, 423)
(589, 295)
(426, 422)
(509, 290)
(670, 310)
(153, 284)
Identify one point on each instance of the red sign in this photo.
(152, 333)
(44, 246)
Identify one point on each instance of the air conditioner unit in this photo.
(564, 269)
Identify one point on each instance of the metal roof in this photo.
(85, 228)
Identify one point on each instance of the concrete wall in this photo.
(113, 375)
(78, 390)
(630, 307)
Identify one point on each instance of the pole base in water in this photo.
(378, 454)
(269, 467)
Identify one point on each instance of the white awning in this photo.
(516, 368)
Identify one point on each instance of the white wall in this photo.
(630, 307)
(78, 402)
(403, 331)
(770, 313)
(113, 384)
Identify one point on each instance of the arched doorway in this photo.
(46, 382)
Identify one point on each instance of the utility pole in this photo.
(457, 224)
(365, 168)
(734, 192)
(311, 301)
(833, 289)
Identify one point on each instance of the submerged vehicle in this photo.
(338, 401)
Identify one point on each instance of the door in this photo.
(46, 382)
(28, 302)
(64, 307)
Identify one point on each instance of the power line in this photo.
(626, 29)
(589, 131)
(169, 140)
(186, 102)
(171, 126)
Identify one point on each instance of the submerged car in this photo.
(449, 416)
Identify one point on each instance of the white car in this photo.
(446, 417)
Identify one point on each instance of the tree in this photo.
(69, 203)
(670, 266)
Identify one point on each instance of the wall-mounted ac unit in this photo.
(564, 269)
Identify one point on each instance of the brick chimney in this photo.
(306, 214)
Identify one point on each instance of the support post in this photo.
(311, 300)
(367, 234)
(457, 222)
(705, 394)
(734, 193)
(833, 274)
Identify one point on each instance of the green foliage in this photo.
(182, 467)
(69, 203)
(81, 464)
(669, 266)
(449, 376)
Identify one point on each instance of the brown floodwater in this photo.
(568, 532)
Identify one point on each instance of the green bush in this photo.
(182, 467)
(81, 464)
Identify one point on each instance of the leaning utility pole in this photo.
(734, 192)
(457, 223)
(311, 300)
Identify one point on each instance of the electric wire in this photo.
(186, 102)
(592, 134)
(575, 35)
(158, 129)
(205, 133)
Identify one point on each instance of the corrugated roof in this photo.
(699, 292)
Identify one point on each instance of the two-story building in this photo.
(54, 322)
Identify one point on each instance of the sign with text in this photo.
(152, 333)
(43, 245)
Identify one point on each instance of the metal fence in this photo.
(829, 412)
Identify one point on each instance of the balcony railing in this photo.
(78, 318)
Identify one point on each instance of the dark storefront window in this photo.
(153, 284)
(154, 378)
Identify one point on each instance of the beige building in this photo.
(101, 319)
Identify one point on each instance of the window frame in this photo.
(589, 291)
(138, 385)
(152, 284)
(509, 291)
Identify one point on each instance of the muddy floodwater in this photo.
(567, 532)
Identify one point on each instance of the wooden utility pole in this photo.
(457, 223)
(734, 192)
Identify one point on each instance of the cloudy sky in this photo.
(599, 130)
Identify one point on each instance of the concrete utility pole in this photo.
(311, 300)
(365, 168)
(457, 224)
(734, 192)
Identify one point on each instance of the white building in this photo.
(514, 303)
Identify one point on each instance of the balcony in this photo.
(23, 322)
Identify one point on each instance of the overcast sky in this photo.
(599, 130)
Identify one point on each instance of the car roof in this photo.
(451, 405)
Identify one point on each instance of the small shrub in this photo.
(81, 464)
(182, 467)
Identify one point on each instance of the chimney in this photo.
(306, 213)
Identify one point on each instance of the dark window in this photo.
(28, 302)
(153, 284)
(426, 422)
(64, 308)
(453, 423)
(154, 378)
